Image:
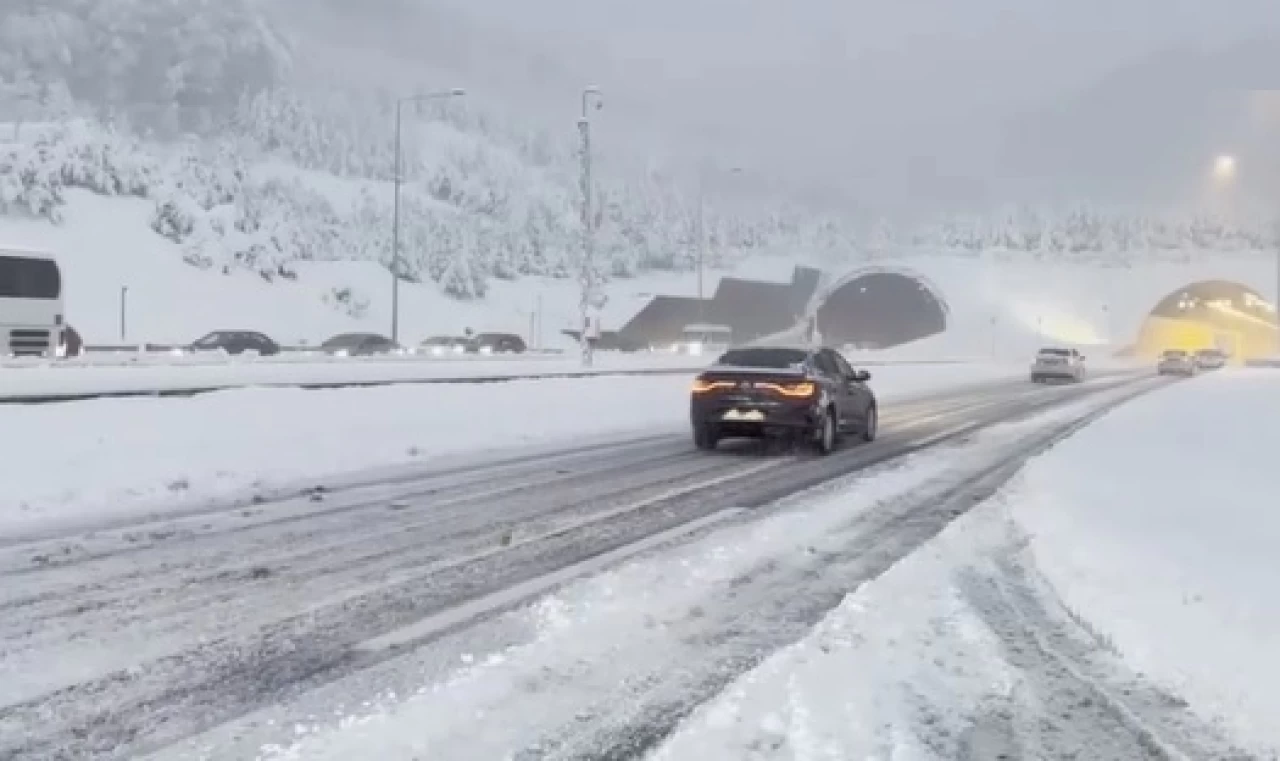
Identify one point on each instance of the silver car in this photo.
(1176, 362)
(1057, 364)
(1210, 359)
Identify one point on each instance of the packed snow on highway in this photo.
(1009, 571)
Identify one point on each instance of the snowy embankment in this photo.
(56, 379)
(1171, 550)
(1156, 529)
(82, 462)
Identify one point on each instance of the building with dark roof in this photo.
(751, 308)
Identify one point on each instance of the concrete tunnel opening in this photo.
(880, 310)
(1210, 314)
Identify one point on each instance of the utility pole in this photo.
(587, 274)
(395, 206)
(124, 313)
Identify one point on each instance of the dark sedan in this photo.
(237, 342)
(359, 345)
(811, 394)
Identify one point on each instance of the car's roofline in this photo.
(755, 370)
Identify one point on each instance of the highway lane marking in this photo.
(514, 595)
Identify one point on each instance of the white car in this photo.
(1057, 364)
(1176, 362)
(1210, 359)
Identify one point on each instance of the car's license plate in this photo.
(752, 415)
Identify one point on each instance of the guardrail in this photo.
(1267, 362)
(180, 389)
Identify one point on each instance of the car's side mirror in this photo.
(861, 376)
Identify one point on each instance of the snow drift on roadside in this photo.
(1159, 524)
(89, 461)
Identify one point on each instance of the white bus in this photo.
(31, 316)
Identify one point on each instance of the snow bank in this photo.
(896, 671)
(1171, 550)
(237, 372)
(87, 461)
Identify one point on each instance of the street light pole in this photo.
(587, 273)
(395, 206)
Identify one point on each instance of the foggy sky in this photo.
(897, 102)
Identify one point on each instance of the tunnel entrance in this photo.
(878, 310)
(1210, 314)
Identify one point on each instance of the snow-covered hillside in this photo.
(205, 158)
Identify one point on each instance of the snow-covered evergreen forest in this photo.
(205, 109)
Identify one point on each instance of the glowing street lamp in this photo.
(1225, 168)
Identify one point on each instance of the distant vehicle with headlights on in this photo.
(1210, 359)
(704, 340)
(359, 345)
(1176, 362)
(444, 346)
(497, 343)
(1053, 363)
(813, 395)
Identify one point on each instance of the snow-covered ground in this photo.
(1001, 304)
(1171, 550)
(87, 461)
(1154, 526)
(56, 378)
(595, 641)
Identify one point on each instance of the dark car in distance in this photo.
(237, 342)
(812, 394)
(359, 345)
(497, 343)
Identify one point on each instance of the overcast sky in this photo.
(900, 101)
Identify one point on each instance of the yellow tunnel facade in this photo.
(1241, 339)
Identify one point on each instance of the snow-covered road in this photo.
(213, 634)
(94, 461)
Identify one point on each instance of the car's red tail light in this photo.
(701, 386)
(802, 390)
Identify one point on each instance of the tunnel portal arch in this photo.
(880, 307)
(1206, 314)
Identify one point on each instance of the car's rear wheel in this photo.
(826, 435)
(705, 436)
(872, 425)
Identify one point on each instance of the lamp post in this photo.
(395, 209)
(586, 276)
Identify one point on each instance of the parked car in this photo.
(497, 343)
(1176, 362)
(236, 342)
(440, 346)
(1052, 363)
(359, 345)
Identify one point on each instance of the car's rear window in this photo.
(1054, 353)
(1174, 354)
(769, 358)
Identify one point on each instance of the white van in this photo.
(711, 340)
(31, 314)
